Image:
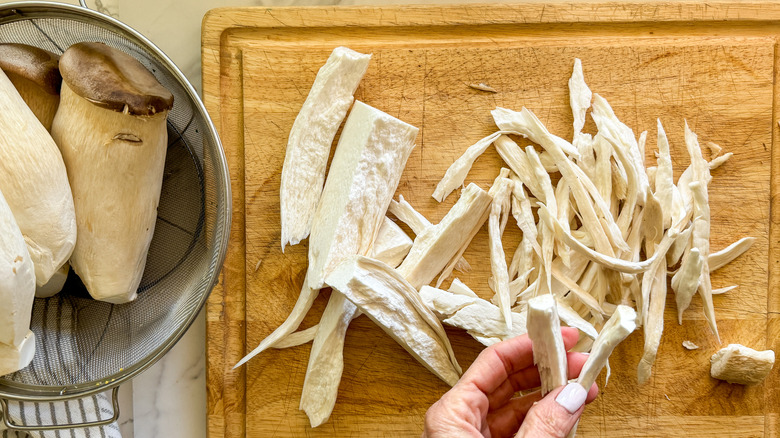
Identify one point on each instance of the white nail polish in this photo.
(572, 397)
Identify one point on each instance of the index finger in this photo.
(496, 363)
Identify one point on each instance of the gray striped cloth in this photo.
(71, 411)
(57, 360)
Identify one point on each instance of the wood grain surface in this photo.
(713, 64)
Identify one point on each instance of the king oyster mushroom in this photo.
(35, 184)
(17, 290)
(35, 75)
(111, 128)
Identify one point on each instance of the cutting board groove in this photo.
(714, 64)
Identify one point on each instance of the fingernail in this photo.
(572, 397)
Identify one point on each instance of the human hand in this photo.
(483, 402)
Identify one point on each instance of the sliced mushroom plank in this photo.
(309, 142)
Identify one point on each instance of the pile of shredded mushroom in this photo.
(610, 230)
(601, 232)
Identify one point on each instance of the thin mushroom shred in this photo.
(480, 318)
(621, 324)
(500, 274)
(701, 231)
(483, 87)
(457, 172)
(579, 98)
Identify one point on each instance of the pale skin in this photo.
(484, 402)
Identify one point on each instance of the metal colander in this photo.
(85, 346)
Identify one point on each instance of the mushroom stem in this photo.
(34, 182)
(116, 187)
(42, 104)
(17, 291)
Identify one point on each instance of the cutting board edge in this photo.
(225, 309)
(218, 20)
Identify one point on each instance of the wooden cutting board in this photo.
(713, 64)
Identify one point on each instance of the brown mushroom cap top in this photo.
(112, 79)
(34, 64)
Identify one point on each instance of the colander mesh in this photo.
(81, 341)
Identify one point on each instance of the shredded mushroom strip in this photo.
(664, 178)
(700, 238)
(544, 329)
(498, 266)
(480, 318)
(723, 257)
(457, 172)
(418, 223)
(393, 304)
(654, 292)
(293, 321)
(620, 325)
(408, 215)
(326, 360)
(579, 98)
(446, 241)
(297, 338)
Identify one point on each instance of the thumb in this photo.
(556, 414)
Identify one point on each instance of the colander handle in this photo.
(9, 424)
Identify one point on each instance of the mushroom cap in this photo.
(112, 79)
(32, 63)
